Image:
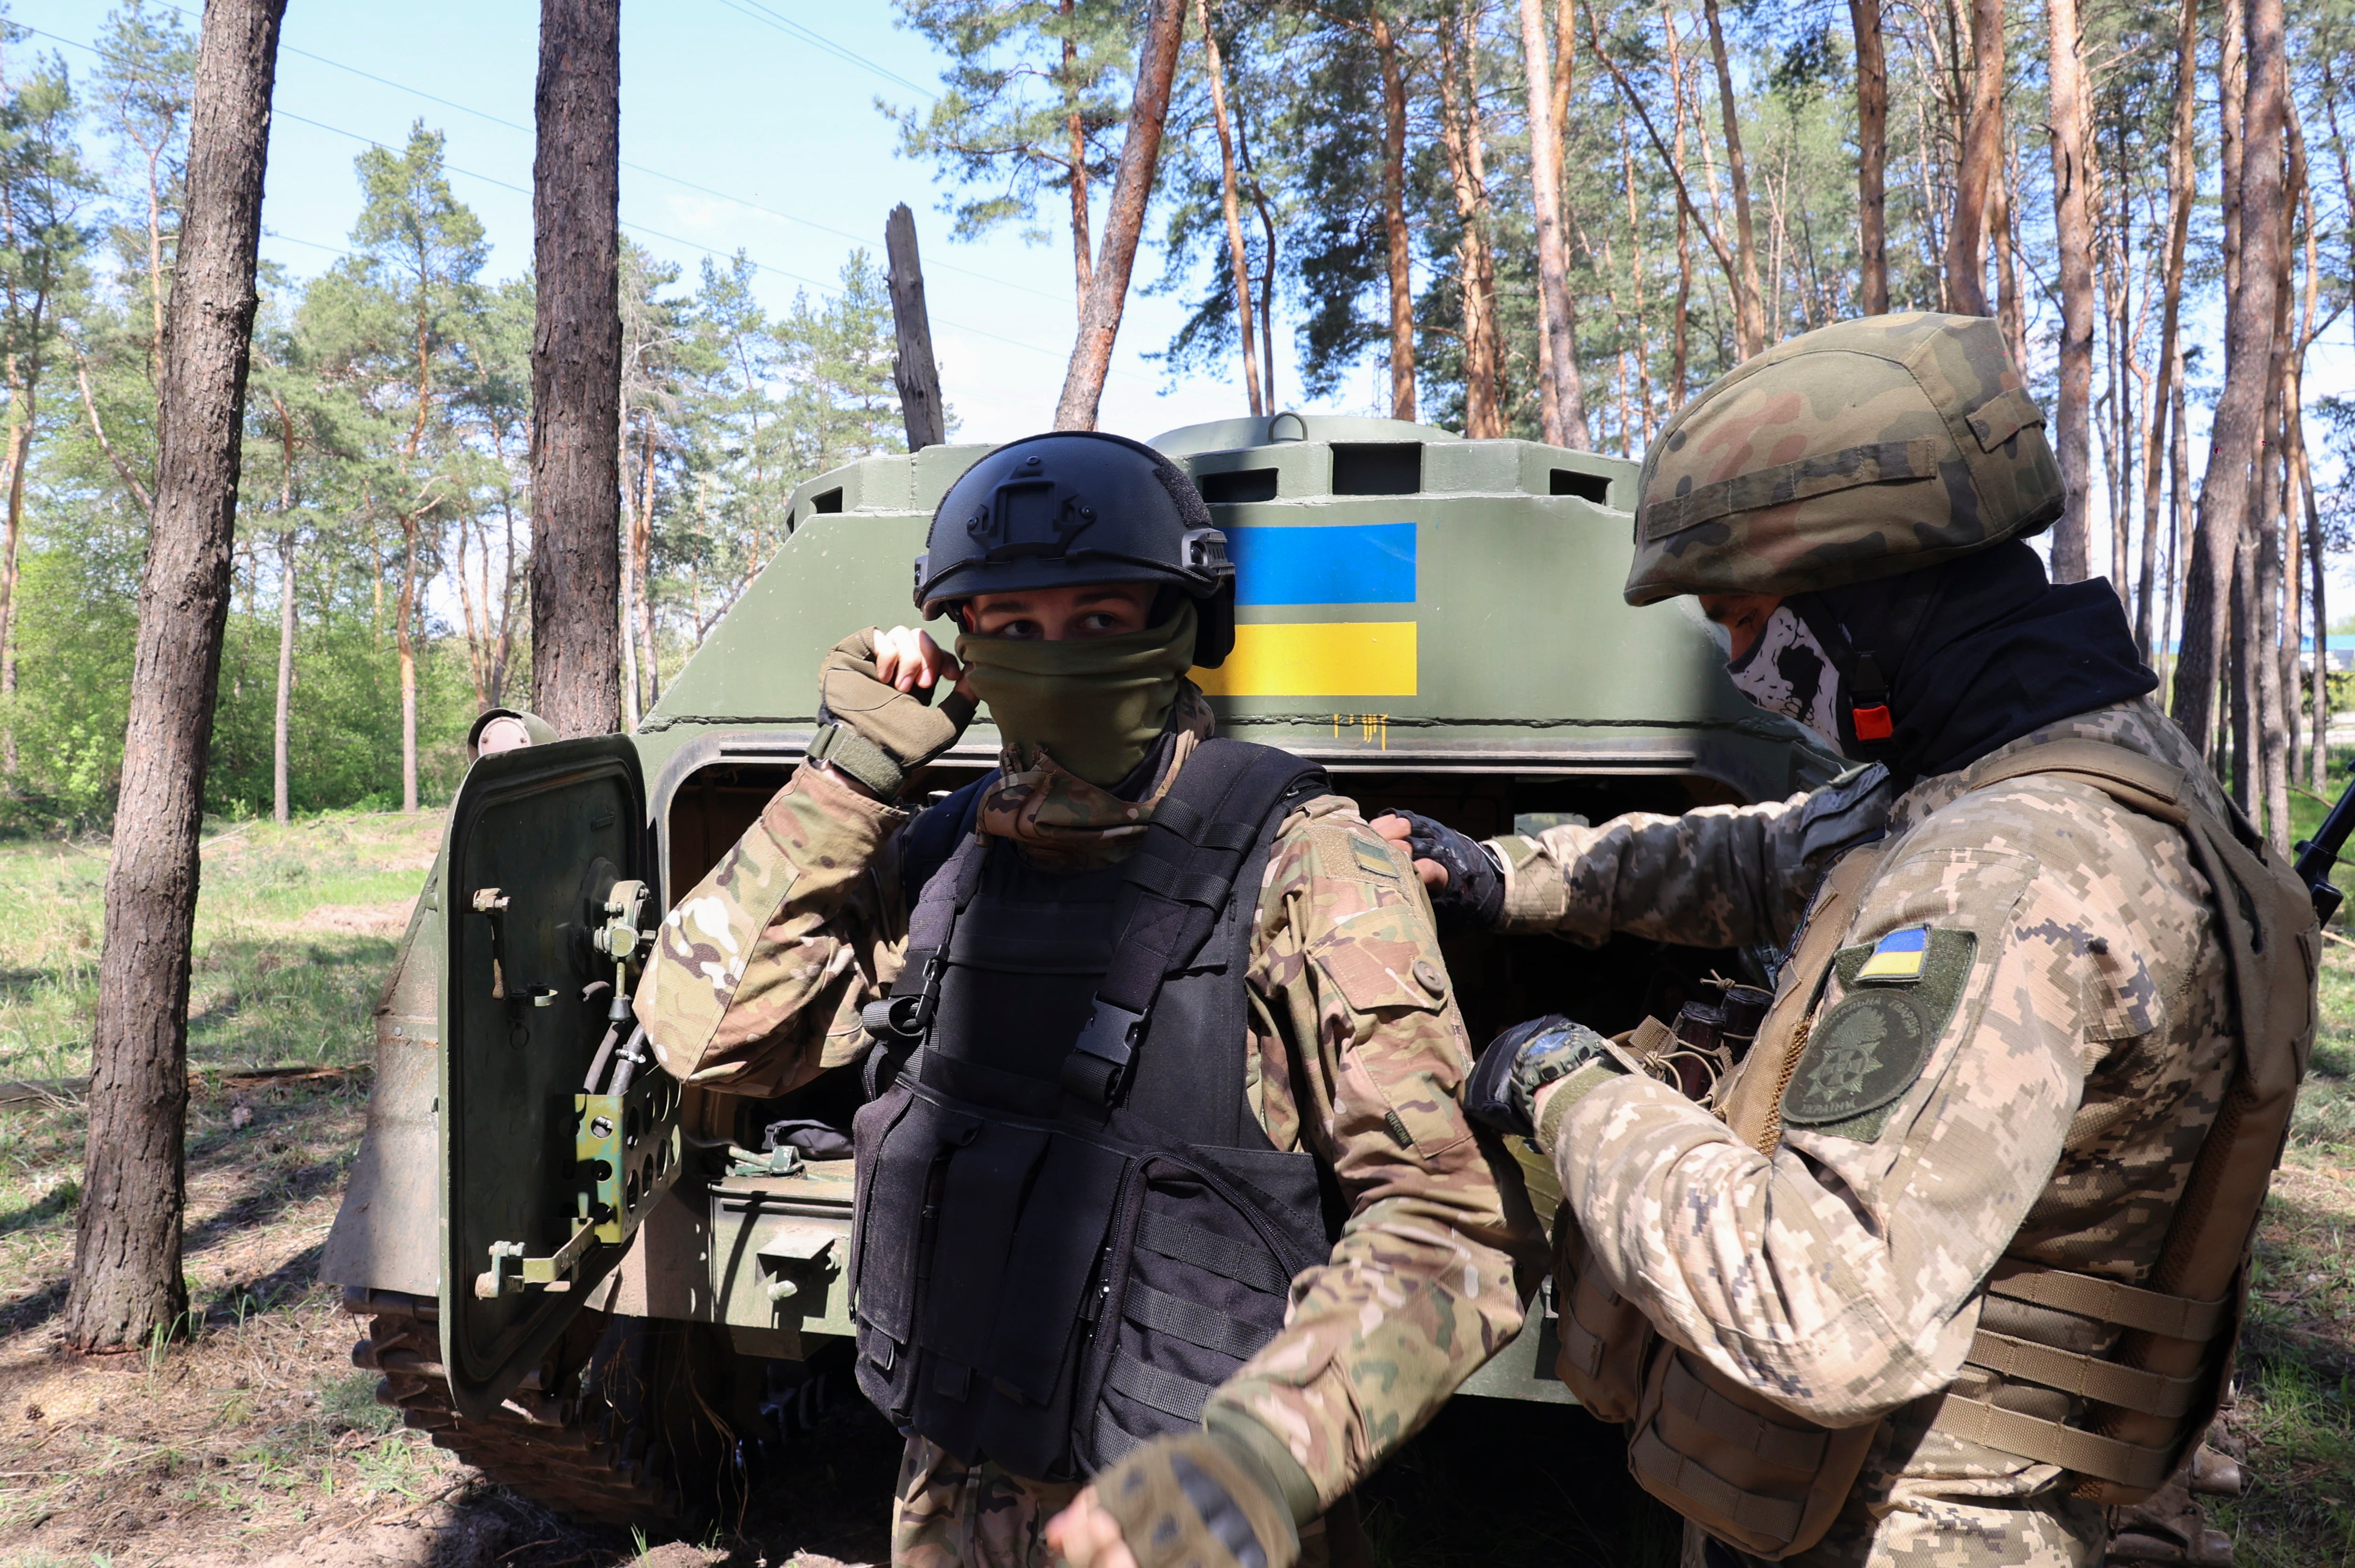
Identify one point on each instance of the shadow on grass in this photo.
(56, 1203)
(288, 1119)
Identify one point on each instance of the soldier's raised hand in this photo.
(875, 704)
(906, 658)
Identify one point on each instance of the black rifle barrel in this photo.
(2318, 855)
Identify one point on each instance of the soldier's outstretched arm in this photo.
(1362, 1059)
(1839, 1275)
(1717, 876)
(756, 979)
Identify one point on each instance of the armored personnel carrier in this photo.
(614, 1295)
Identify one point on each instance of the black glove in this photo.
(1503, 1089)
(1474, 898)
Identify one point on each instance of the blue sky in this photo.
(743, 98)
(770, 107)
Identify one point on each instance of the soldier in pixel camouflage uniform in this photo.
(1919, 1284)
(1087, 579)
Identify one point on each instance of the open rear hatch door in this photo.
(555, 1142)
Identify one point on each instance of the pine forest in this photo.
(1552, 219)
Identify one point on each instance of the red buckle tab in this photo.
(1873, 723)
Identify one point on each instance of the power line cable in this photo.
(830, 290)
(786, 25)
(745, 202)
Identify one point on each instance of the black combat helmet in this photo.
(1075, 507)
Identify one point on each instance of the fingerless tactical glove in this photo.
(1503, 1089)
(872, 730)
(1196, 1499)
(1474, 898)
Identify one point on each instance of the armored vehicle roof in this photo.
(1406, 598)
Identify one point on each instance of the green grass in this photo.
(2294, 1427)
(262, 992)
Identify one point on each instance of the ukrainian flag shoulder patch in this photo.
(1898, 957)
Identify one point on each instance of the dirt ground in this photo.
(251, 1441)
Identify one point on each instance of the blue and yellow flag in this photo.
(1897, 956)
(1354, 564)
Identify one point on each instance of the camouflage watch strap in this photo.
(846, 750)
(1554, 1054)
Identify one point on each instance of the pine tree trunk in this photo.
(127, 1281)
(1982, 149)
(1749, 313)
(643, 582)
(283, 713)
(2237, 430)
(2272, 719)
(576, 370)
(2248, 791)
(2266, 529)
(1560, 357)
(404, 640)
(1140, 156)
(20, 440)
(2180, 172)
(914, 372)
(2179, 536)
(1464, 140)
(2003, 218)
(2318, 762)
(1397, 247)
(1871, 161)
(1075, 128)
(2073, 234)
(1238, 257)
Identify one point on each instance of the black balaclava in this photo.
(1937, 667)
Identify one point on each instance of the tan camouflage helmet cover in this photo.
(1856, 450)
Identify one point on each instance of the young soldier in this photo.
(1145, 1016)
(1953, 1259)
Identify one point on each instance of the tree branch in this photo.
(121, 469)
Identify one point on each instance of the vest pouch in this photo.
(1602, 1335)
(1747, 1471)
(1030, 1368)
(902, 1142)
(1196, 1288)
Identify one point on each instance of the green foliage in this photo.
(1019, 77)
(385, 496)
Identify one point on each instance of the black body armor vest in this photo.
(1071, 1226)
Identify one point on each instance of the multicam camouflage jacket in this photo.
(2053, 1118)
(1357, 1052)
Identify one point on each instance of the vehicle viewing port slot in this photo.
(1377, 467)
(826, 501)
(1243, 485)
(1594, 487)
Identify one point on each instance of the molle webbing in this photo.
(1718, 1453)
(1046, 1277)
(2175, 1358)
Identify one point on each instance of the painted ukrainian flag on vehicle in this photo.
(1360, 566)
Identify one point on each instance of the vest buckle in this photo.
(1100, 1057)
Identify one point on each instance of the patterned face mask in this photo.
(1786, 671)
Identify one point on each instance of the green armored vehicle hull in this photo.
(586, 1281)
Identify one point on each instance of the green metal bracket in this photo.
(628, 1149)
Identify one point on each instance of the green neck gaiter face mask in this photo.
(1095, 704)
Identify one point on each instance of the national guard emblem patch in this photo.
(1864, 1053)
(1867, 1050)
